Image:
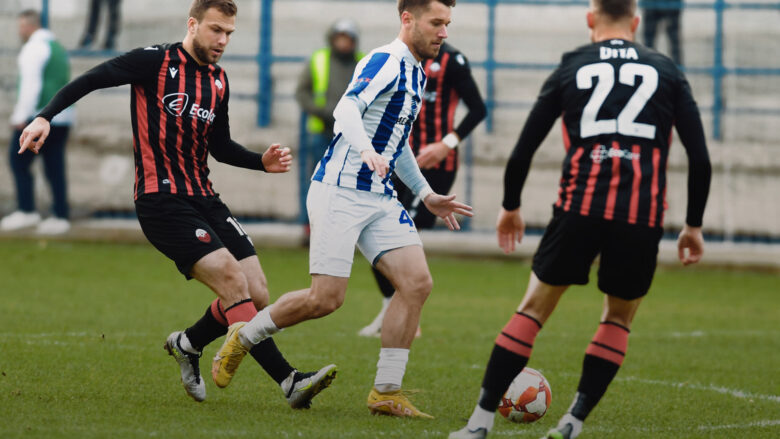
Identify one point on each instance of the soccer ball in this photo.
(527, 398)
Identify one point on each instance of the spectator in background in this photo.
(95, 6)
(658, 12)
(43, 69)
(321, 84)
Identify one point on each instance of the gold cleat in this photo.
(393, 403)
(228, 357)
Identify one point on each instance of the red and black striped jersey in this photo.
(179, 114)
(618, 101)
(449, 81)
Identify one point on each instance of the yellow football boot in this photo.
(393, 403)
(228, 357)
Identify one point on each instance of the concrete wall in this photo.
(747, 168)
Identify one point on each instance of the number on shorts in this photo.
(625, 123)
(233, 222)
(405, 219)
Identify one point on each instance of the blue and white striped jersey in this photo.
(387, 86)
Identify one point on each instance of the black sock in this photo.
(502, 368)
(597, 373)
(205, 330)
(272, 361)
(385, 286)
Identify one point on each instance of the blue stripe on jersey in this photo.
(369, 71)
(325, 159)
(385, 128)
(407, 129)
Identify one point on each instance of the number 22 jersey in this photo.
(619, 101)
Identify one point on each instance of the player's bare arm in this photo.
(445, 207)
(690, 245)
(510, 229)
(277, 159)
(432, 154)
(34, 135)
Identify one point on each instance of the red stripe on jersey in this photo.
(147, 155)
(163, 120)
(590, 187)
(193, 153)
(179, 134)
(654, 187)
(566, 140)
(575, 169)
(614, 183)
(633, 206)
(439, 84)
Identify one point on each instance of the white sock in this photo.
(576, 424)
(185, 345)
(481, 418)
(390, 369)
(258, 329)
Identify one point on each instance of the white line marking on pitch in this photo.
(766, 423)
(718, 389)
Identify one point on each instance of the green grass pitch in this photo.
(82, 328)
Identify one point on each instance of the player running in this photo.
(434, 140)
(352, 201)
(179, 112)
(619, 101)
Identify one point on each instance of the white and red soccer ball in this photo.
(527, 398)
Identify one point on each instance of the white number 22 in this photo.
(624, 124)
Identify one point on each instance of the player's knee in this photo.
(322, 303)
(418, 285)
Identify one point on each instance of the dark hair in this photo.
(31, 15)
(616, 9)
(199, 8)
(414, 6)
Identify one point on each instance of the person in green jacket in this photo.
(325, 76)
(43, 69)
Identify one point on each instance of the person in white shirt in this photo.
(43, 70)
(352, 201)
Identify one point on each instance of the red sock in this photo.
(609, 343)
(242, 311)
(519, 334)
(218, 312)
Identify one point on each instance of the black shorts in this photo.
(186, 229)
(571, 242)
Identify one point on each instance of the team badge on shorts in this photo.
(203, 236)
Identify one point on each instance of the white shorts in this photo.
(342, 217)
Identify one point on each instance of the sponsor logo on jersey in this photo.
(203, 236)
(430, 96)
(403, 120)
(173, 71)
(602, 153)
(435, 67)
(175, 103)
(204, 114)
(218, 83)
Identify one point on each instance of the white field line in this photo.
(766, 423)
(711, 387)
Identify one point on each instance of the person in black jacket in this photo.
(179, 113)
(619, 101)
